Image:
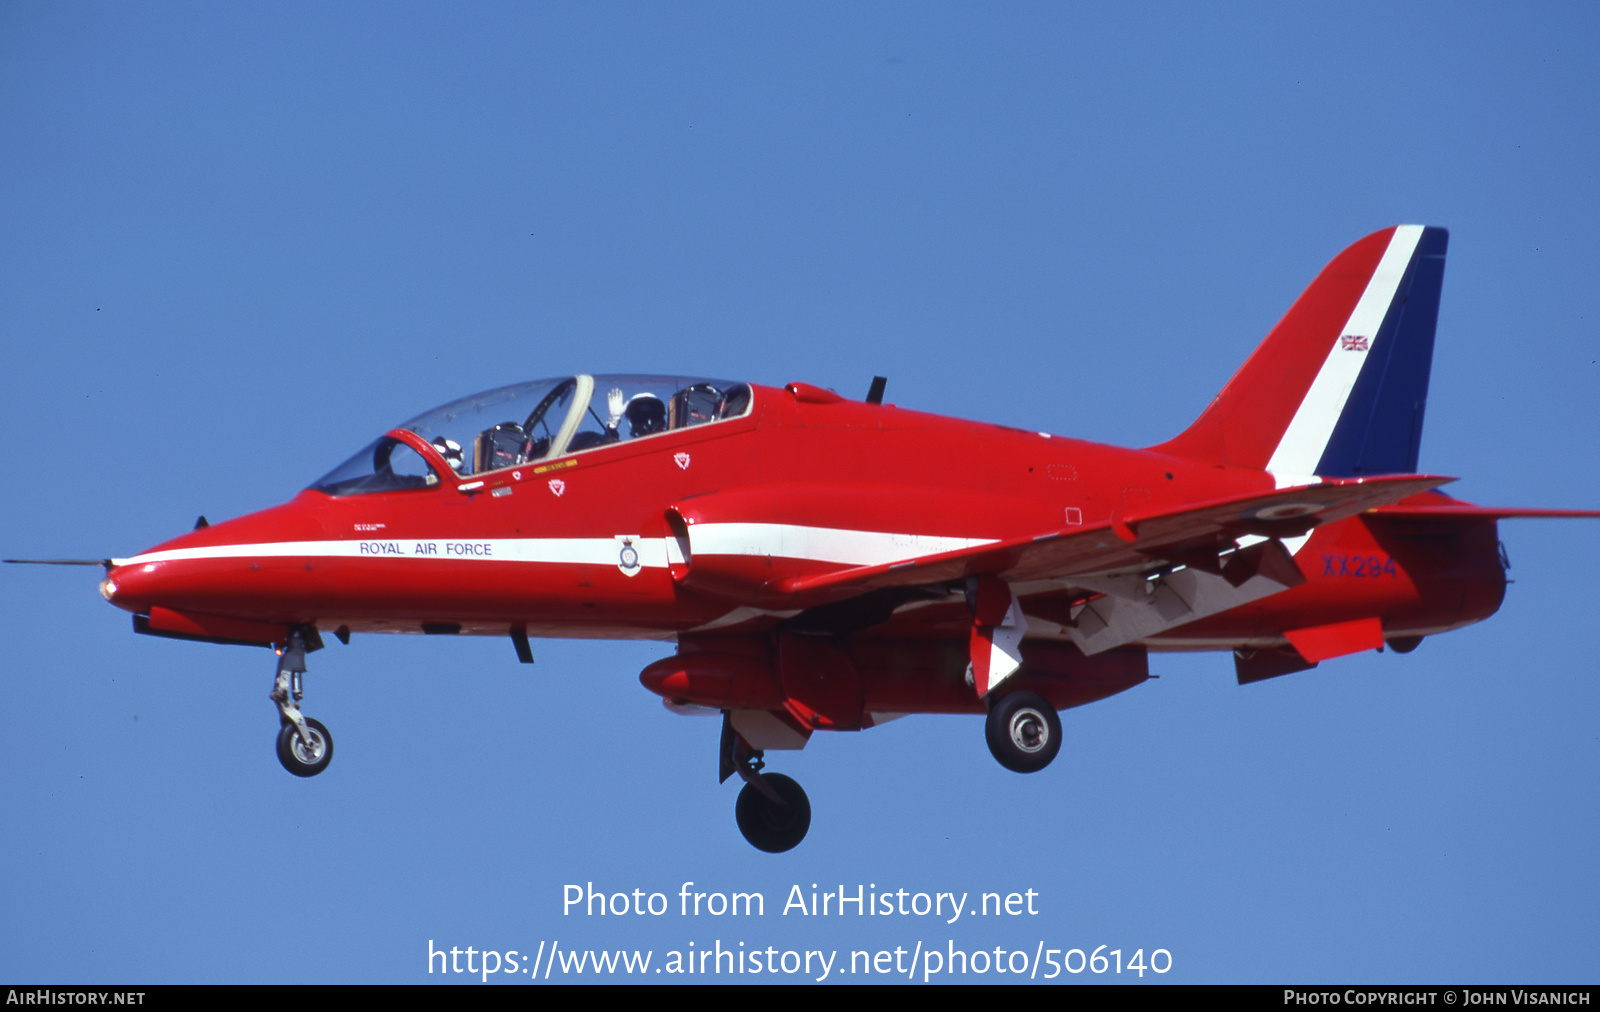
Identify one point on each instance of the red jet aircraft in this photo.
(829, 564)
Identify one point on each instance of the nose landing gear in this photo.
(305, 753)
(304, 746)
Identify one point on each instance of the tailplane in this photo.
(1337, 389)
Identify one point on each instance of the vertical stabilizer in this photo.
(1338, 387)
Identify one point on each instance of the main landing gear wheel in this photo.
(305, 755)
(773, 826)
(1024, 732)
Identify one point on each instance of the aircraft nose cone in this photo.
(133, 588)
(235, 568)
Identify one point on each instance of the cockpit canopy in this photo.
(535, 421)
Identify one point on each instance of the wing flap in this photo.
(1132, 608)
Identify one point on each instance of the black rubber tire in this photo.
(767, 826)
(1024, 732)
(296, 757)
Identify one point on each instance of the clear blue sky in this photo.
(238, 241)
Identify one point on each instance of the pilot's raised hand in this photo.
(615, 403)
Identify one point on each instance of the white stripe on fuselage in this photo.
(821, 544)
(596, 551)
(787, 541)
(1306, 438)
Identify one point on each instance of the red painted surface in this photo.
(1323, 642)
(1242, 424)
(842, 465)
(823, 557)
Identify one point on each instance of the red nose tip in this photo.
(130, 587)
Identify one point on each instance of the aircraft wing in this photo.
(1114, 561)
(1191, 535)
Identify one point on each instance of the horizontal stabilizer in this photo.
(1464, 509)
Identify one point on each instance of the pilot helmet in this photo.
(645, 414)
(450, 450)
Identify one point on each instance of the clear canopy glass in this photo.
(535, 421)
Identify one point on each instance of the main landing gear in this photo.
(1024, 732)
(773, 812)
(304, 746)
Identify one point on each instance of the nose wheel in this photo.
(304, 746)
(307, 753)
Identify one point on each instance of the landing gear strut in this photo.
(304, 746)
(1024, 732)
(773, 811)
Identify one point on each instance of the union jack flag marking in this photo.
(1350, 342)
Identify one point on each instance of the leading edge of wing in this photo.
(1131, 539)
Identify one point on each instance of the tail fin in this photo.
(1337, 388)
